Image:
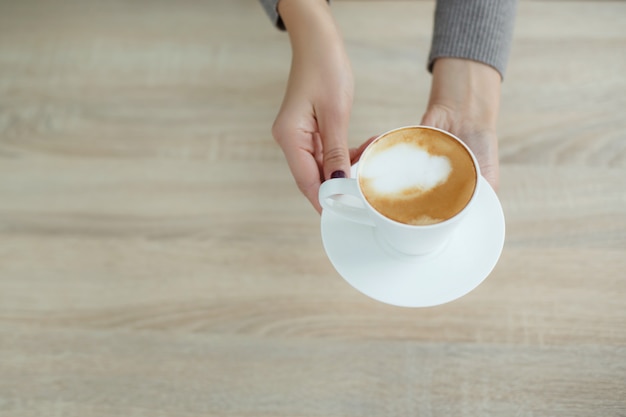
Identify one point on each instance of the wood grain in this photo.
(156, 258)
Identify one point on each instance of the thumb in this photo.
(333, 127)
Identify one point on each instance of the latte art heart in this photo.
(405, 168)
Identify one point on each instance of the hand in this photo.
(464, 101)
(312, 124)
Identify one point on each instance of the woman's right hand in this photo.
(312, 124)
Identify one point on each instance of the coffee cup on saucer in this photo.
(416, 224)
(415, 185)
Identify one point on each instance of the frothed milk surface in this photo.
(417, 176)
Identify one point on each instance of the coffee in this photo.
(417, 176)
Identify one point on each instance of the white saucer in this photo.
(392, 278)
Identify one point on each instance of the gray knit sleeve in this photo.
(480, 30)
(271, 9)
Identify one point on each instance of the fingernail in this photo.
(338, 174)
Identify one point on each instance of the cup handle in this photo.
(334, 195)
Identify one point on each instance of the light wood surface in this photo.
(156, 258)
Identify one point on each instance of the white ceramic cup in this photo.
(344, 197)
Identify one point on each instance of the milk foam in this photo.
(404, 167)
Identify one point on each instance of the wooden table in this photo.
(156, 258)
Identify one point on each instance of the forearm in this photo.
(310, 24)
(271, 8)
(317, 51)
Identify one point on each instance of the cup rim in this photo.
(452, 219)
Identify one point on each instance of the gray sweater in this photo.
(480, 30)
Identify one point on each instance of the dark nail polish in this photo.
(338, 174)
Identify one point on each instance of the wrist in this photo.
(469, 89)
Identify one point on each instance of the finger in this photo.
(491, 174)
(299, 149)
(318, 154)
(355, 153)
(305, 171)
(333, 127)
(487, 156)
(484, 146)
(437, 117)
